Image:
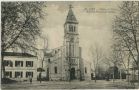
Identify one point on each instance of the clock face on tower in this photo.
(72, 39)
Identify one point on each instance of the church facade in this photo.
(66, 62)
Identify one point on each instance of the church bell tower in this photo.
(71, 43)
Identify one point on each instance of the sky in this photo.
(95, 24)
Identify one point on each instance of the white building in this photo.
(53, 64)
(20, 66)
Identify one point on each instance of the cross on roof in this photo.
(70, 6)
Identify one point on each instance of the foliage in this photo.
(97, 56)
(126, 28)
(126, 31)
(20, 23)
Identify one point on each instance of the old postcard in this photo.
(69, 45)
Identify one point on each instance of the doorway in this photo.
(72, 74)
(47, 77)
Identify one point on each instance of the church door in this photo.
(72, 73)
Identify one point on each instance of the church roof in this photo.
(71, 17)
(48, 54)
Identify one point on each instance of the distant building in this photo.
(53, 64)
(114, 72)
(133, 74)
(20, 66)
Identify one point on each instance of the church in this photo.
(66, 62)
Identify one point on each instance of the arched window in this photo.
(70, 28)
(73, 51)
(74, 28)
(55, 68)
(85, 70)
(49, 60)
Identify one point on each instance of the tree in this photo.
(115, 58)
(97, 56)
(20, 25)
(124, 57)
(126, 28)
(118, 57)
(112, 61)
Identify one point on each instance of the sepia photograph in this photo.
(69, 45)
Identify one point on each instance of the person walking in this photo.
(30, 79)
(40, 77)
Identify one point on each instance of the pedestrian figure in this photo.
(19, 78)
(40, 77)
(30, 79)
(132, 83)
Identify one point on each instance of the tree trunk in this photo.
(95, 77)
(2, 47)
(2, 66)
(134, 75)
(138, 68)
(128, 76)
(138, 74)
(128, 72)
(120, 75)
(113, 75)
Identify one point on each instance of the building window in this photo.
(28, 74)
(49, 60)
(55, 70)
(55, 51)
(72, 61)
(29, 63)
(19, 63)
(73, 50)
(70, 28)
(18, 74)
(8, 74)
(48, 70)
(8, 63)
(85, 70)
(74, 28)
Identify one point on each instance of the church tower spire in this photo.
(71, 17)
(71, 23)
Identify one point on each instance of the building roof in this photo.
(134, 68)
(17, 54)
(51, 52)
(71, 17)
(48, 54)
